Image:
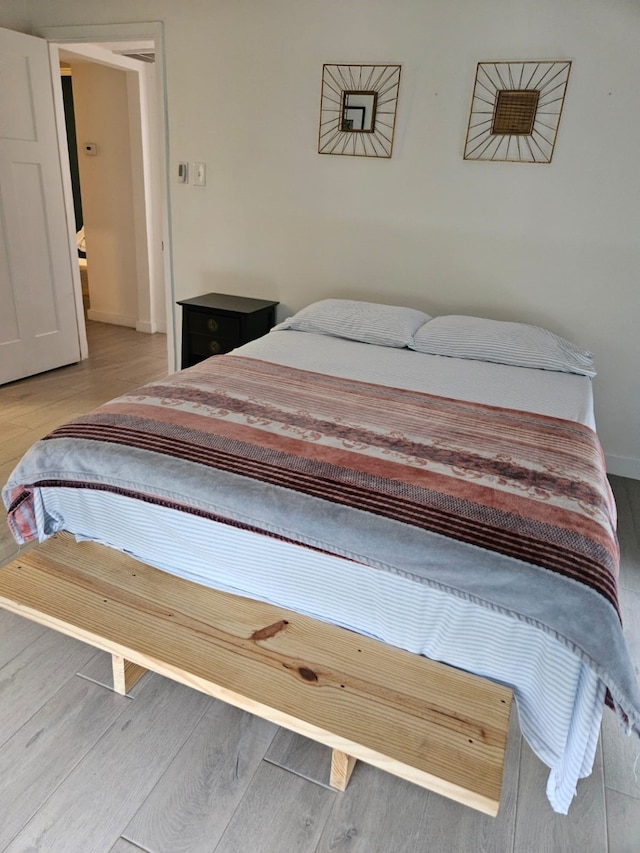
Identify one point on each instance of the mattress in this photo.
(389, 606)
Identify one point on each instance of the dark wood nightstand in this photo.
(217, 323)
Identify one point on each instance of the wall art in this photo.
(358, 109)
(515, 110)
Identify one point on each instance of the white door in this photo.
(38, 324)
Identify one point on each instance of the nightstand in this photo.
(217, 323)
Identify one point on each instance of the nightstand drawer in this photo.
(206, 345)
(216, 324)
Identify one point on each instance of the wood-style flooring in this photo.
(169, 770)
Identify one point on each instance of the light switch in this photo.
(199, 174)
(183, 173)
(90, 148)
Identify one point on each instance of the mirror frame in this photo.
(346, 106)
(382, 81)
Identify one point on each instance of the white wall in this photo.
(551, 244)
(14, 15)
(102, 117)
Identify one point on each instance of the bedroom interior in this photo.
(511, 241)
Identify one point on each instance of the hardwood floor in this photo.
(168, 769)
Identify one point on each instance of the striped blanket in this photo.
(372, 473)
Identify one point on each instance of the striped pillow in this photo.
(504, 343)
(369, 322)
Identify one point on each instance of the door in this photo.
(38, 325)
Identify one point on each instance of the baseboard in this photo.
(622, 466)
(145, 326)
(114, 319)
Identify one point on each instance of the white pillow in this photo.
(369, 322)
(502, 342)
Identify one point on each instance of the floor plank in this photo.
(46, 749)
(621, 758)
(16, 634)
(297, 754)
(88, 811)
(623, 813)
(124, 846)
(33, 676)
(99, 670)
(539, 828)
(622, 753)
(280, 811)
(189, 809)
(378, 813)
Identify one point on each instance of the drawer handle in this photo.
(214, 346)
(212, 325)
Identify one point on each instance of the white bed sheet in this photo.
(547, 392)
(563, 732)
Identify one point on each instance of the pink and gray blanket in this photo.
(511, 510)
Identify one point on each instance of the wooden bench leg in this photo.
(341, 769)
(125, 674)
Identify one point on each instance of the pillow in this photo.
(369, 322)
(505, 343)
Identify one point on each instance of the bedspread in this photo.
(510, 510)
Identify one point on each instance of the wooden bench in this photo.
(426, 722)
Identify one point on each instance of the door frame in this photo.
(59, 37)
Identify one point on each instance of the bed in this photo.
(433, 483)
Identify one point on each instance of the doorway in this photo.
(115, 145)
(128, 48)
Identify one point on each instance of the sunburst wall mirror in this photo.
(515, 111)
(358, 109)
